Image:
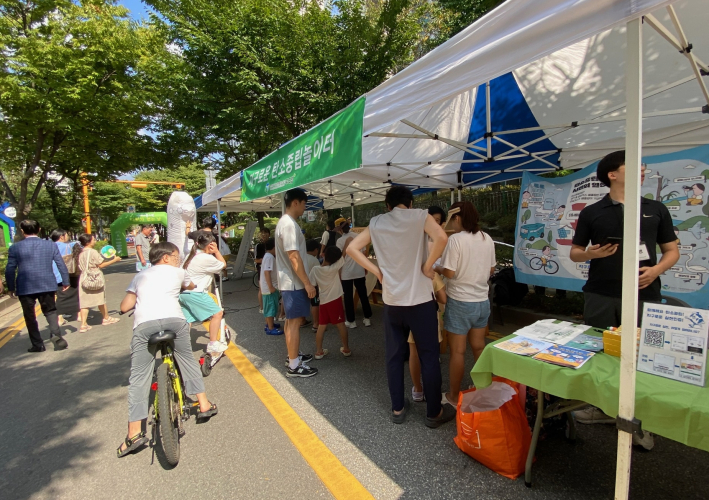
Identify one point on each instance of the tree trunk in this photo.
(259, 218)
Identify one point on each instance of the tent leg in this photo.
(460, 194)
(219, 229)
(631, 238)
(452, 196)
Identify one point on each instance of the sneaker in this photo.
(282, 318)
(446, 401)
(366, 322)
(303, 371)
(417, 396)
(447, 414)
(304, 358)
(352, 325)
(401, 417)
(647, 442)
(322, 355)
(275, 331)
(260, 311)
(593, 415)
(346, 354)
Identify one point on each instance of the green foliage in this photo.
(507, 223)
(549, 236)
(525, 217)
(465, 12)
(78, 84)
(259, 72)
(3, 264)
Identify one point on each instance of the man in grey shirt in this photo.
(142, 247)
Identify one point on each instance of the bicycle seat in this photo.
(160, 337)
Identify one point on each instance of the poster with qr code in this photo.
(673, 342)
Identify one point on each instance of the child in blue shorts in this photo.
(268, 282)
(203, 262)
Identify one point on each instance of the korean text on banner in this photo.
(330, 148)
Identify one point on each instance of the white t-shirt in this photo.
(268, 264)
(399, 242)
(201, 271)
(325, 238)
(310, 263)
(289, 238)
(471, 256)
(328, 280)
(351, 270)
(157, 289)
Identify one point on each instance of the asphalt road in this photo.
(66, 413)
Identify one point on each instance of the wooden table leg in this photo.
(535, 438)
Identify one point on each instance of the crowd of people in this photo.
(433, 271)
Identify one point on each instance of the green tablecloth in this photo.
(666, 407)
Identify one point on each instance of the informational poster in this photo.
(673, 342)
(549, 209)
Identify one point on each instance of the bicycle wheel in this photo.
(535, 263)
(551, 268)
(256, 280)
(206, 365)
(167, 417)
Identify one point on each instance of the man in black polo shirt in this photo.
(604, 219)
(602, 292)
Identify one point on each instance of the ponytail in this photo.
(203, 241)
(469, 218)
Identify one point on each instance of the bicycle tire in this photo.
(206, 365)
(551, 267)
(535, 263)
(256, 280)
(167, 419)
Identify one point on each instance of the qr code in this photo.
(655, 338)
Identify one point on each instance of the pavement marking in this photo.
(340, 481)
(8, 333)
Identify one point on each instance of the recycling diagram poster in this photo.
(549, 209)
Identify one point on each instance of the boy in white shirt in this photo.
(327, 278)
(154, 294)
(269, 282)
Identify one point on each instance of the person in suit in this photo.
(30, 277)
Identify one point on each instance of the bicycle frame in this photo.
(174, 372)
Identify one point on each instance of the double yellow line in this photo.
(8, 333)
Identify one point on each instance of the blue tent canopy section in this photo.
(508, 111)
(198, 202)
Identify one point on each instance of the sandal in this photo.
(209, 413)
(132, 444)
(84, 329)
(110, 321)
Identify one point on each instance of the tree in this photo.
(466, 12)
(260, 72)
(526, 215)
(78, 88)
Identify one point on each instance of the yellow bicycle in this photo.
(170, 409)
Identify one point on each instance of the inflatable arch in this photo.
(118, 228)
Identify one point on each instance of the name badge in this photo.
(643, 254)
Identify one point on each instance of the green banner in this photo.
(330, 148)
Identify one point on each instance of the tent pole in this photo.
(631, 237)
(452, 196)
(219, 230)
(460, 191)
(352, 208)
(488, 118)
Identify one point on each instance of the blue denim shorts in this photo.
(460, 317)
(296, 303)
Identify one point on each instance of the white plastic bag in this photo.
(488, 399)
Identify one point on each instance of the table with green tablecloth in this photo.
(670, 408)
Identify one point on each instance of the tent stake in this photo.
(631, 238)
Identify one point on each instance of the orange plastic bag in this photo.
(497, 435)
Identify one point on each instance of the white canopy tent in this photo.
(502, 97)
(535, 86)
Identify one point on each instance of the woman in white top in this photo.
(353, 277)
(467, 262)
(197, 305)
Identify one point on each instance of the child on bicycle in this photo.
(203, 262)
(269, 287)
(327, 278)
(154, 294)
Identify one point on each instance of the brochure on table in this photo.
(673, 342)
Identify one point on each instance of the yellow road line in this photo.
(340, 481)
(8, 333)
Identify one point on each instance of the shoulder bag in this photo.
(93, 280)
(70, 263)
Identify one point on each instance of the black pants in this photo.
(49, 309)
(601, 311)
(360, 284)
(420, 320)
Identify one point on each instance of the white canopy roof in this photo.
(530, 86)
